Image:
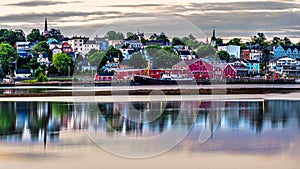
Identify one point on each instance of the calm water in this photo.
(264, 129)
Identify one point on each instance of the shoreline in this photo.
(140, 91)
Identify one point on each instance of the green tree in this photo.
(34, 36)
(133, 37)
(111, 51)
(8, 36)
(38, 72)
(20, 35)
(62, 62)
(112, 35)
(234, 41)
(1, 73)
(138, 61)
(165, 59)
(219, 41)
(98, 59)
(152, 50)
(128, 34)
(191, 37)
(41, 48)
(177, 41)
(33, 63)
(287, 41)
(41, 78)
(223, 55)
(205, 50)
(7, 54)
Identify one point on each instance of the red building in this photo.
(207, 69)
(66, 47)
(245, 54)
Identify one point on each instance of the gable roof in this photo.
(290, 47)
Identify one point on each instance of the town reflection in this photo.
(32, 122)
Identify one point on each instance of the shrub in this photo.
(41, 78)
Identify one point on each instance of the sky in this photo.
(231, 18)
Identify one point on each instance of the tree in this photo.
(235, 41)
(219, 41)
(41, 48)
(138, 61)
(287, 41)
(152, 50)
(38, 72)
(205, 50)
(1, 73)
(112, 35)
(34, 36)
(7, 54)
(128, 34)
(20, 35)
(165, 59)
(191, 37)
(111, 51)
(98, 59)
(223, 55)
(62, 62)
(133, 37)
(41, 78)
(177, 41)
(7, 36)
(33, 63)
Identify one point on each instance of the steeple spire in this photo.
(213, 38)
(46, 25)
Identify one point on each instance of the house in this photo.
(245, 54)
(185, 52)
(23, 73)
(285, 65)
(207, 68)
(256, 54)
(52, 42)
(240, 66)
(133, 44)
(77, 43)
(56, 50)
(290, 51)
(24, 48)
(103, 41)
(89, 45)
(232, 50)
(253, 67)
(66, 47)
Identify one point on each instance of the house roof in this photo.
(184, 52)
(23, 71)
(186, 62)
(291, 47)
(253, 61)
(91, 42)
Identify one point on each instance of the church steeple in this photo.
(213, 38)
(46, 25)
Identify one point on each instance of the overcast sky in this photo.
(232, 18)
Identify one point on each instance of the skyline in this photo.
(232, 18)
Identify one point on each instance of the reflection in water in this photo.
(42, 122)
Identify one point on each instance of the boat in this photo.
(164, 80)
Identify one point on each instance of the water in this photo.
(200, 134)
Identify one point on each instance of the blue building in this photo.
(289, 51)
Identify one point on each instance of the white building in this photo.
(232, 50)
(77, 43)
(89, 45)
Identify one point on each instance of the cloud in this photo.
(233, 19)
(36, 3)
(134, 6)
